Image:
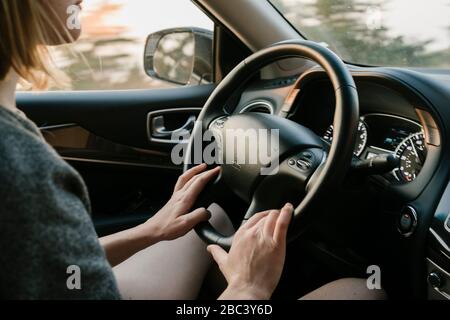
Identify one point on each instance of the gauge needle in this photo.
(420, 160)
(415, 150)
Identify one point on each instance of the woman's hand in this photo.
(255, 262)
(174, 220)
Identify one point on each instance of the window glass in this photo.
(401, 33)
(109, 54)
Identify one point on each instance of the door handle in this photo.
(158, 132)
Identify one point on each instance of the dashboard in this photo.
(383, 134)
(390, 124)
(400, 217)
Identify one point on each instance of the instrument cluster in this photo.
(383, 134)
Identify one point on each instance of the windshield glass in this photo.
(404, 33)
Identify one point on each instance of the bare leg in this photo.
(346, 289)
(172, 270)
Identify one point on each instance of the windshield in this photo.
(403, 33)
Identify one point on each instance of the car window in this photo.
(109, 54)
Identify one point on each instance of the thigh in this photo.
(170, 270)
(345, 289)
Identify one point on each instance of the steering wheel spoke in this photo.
(291, 177)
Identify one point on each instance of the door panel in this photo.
(105, 136)
(119, 116)
(124, 196)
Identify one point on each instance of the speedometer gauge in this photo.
(412, 154)
(361, 137)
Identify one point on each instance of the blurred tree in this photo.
(101, 64)
(354, 30)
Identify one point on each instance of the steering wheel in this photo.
(303, 166)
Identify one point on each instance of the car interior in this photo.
(378, 133)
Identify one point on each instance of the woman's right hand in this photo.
(255, 262)
(176, 219)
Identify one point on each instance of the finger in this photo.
(195, 217)
(270, 223)
(219, 255)
(282, 225)
(197, 186)
(188, 175)
(189, 184)
(255, 219)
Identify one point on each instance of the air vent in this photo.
(258, 107)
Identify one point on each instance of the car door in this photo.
(101, 125)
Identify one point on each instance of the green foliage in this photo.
(342, 25)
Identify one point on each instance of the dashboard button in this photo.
(303, 164)
(307, 155)
(435, 280)
(407, 221)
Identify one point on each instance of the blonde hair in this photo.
(26, 28)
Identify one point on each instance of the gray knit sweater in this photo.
(45, 225)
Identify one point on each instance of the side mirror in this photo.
(182, 55)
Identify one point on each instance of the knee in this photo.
(346, 289)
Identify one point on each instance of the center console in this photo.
(438, 261)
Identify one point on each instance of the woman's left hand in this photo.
(174, 220)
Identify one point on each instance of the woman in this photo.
(45, 228)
